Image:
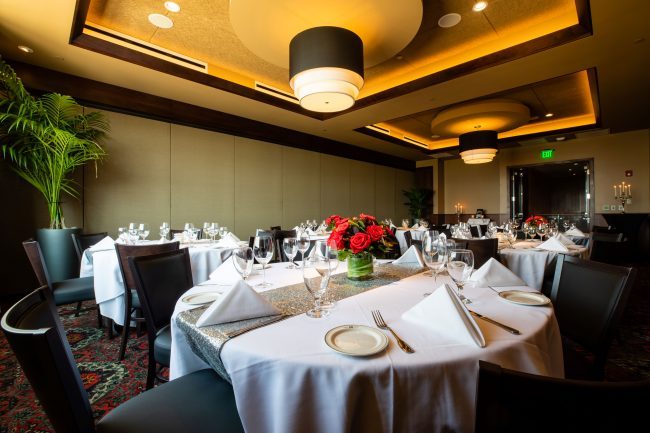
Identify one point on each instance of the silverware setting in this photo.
(379, 321)
(494, 322)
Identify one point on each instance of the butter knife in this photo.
(494, 322)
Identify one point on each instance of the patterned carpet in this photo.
(110, 382)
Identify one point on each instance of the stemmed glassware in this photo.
(123, 234)
(243, 261)
(316, 271)
(434, 253)
(212, 231)
(330, 253)
(263, 251)
(460, 267)
(143, 231)
(164, 231)
(303, 243)
(541, 230)
(290, 248)
(133, 233)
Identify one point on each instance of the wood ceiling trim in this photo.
(107, 96)
(578, 31)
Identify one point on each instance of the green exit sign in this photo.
(547, 153)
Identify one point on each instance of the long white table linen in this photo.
(108, 284)
(286, 379)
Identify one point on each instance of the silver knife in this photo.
(494, 322)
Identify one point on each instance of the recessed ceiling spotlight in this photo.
(435, 136)
(449, 20)
(161, 21)
(399, 57)
(172, 6)
(25, 49)
(560, 138)
(479, 6)
(548, 115)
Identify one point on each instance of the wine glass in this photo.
(164, 231)
(143, 231)
(460, 267)
(316, 275)
(429, 234)
(290, 248)
(303, 243)
(532, 231)
(123, 234)
(434, 253)
(206, 230)
(327, 251)
(541, 230)
(243, 261)
(133, 233)
(188, 231)
(263, 251)
(566, 223)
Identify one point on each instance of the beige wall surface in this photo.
(156, 171)
(485, 186)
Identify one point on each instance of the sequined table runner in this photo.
(207, 342)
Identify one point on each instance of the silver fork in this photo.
(379, 321)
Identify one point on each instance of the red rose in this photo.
(336, 238)
(342, 226)
(375, 232)
(363, 216)
(359, 242)
(334, 219)
(389, 231)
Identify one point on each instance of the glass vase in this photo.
(360, 266)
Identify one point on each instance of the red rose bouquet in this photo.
(535, 220)
(360, 235)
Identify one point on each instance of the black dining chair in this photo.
(160, 280)
(132, 306)
(505, 398)
(83, 241)
(483, 250)
(71, 291)
(460, 244)
(588, 298)
(408, 237)
(607, 236)
(475, 231)
(200, 402)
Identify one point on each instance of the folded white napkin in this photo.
(565, 241)
(415, 226)
(493, 273)
(553, 244)
(239, 303)
(105, 244)
(444, 313)
(574, 232)
(227, 242)
(411, 256)
(232, 237)
(226, 273)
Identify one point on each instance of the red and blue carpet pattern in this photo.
(110, 382)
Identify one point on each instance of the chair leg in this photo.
(125, 336)
(109, 324)
(99, 319)
(76, 312)
(151, 369)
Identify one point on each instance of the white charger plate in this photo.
(524, 298)
(356, 340)
(201, 298)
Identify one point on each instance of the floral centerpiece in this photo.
(535, 220)
(358, 239)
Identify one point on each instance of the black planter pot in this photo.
(59, 253)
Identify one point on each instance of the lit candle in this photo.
(615, 195)
(629, 190)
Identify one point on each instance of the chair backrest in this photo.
(483, 249)
(505, 398)
(35, 256)
(81, 242)
(589, 298)
(161, 279)
(444, 228)
(38, 340)
(279, 236)
(125, 251)
(408, 238)
(461, 244)
(276, 228)
(475, 231)
(601, 229)
(607, 236)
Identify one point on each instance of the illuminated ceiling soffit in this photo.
(560, 103)
(203, 35)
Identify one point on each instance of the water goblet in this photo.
(188, 230)
(303, 243)
(213, 231)
(460, 267)
(123, 234)
(243, 261)
(143, 231)
(290, 248)
(263, 251)
(541, 230)
(164, 231)
(327, 251)
(433, 251)
(316, 275)
(133, 233)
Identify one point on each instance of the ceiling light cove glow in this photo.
(161, 21)
(172, 7)
(25, 49)
(479, 6)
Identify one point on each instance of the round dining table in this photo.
(286, 378)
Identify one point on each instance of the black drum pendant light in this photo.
(478, 147)
(326, 68)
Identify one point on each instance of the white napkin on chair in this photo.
(553, 244)
(239, 303)
(229, 241)
(493, 273)
(105, 244)
(226, 273)
(444, 313)
(574, 232)
(412, 256)
(565, 241)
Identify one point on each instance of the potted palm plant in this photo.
(46, 139)
(417, 202)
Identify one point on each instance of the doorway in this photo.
(557, 191)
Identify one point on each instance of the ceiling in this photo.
(538, 53)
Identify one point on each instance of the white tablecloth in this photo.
(416, 234)
(478, 221)
(286, 379)
(109, 288)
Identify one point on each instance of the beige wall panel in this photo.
(133, 182)
(300, 186)
(335, 186)
(404, 180)
(472, 185)
(258, 186)
(385, 194)
(362, 188)
(202, 177)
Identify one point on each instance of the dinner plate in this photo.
(201, 298)
(524, 298)
(356, 340)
